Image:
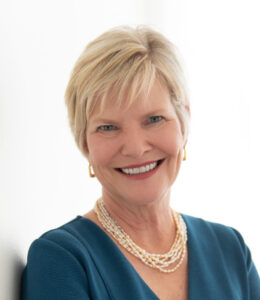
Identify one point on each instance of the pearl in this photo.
(173, 258)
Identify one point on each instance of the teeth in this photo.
(140, 170)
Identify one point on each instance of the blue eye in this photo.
(155, 119)
(106, 128)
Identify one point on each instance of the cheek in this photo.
(174, 150)
(171, 142)
(101, 152)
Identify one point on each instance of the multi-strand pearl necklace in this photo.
(162, 262)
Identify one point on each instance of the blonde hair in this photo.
(118, 66)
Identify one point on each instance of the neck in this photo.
(150, 225)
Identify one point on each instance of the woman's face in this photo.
(136, 153)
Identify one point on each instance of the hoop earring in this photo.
(91, 174)
(184, 154)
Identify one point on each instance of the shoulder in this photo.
(201, 227)
(63, 250)
(56, 265)
(79, 241)
(222, 250)
(70, 238)
(217, 238)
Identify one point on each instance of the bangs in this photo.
(134, 79)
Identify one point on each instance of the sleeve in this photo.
(53, 273)
(252, 274)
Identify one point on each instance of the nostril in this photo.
(135, 147)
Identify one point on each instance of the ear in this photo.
(85, 147)
(187, 107)
(185, 143)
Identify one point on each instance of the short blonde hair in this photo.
(119, 65)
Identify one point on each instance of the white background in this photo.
(43, 177)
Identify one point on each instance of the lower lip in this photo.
(142, 175)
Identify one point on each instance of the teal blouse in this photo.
(79, 261)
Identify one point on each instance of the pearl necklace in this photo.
(161, 262)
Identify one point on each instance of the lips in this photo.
(141, 168)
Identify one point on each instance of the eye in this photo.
(155, 119)
(103, 128)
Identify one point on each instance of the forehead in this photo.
(156, 99)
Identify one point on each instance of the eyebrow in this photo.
(155, 112)
(103, 120)
(110, 121)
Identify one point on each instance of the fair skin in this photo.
(147, 132)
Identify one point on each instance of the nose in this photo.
(135, 143)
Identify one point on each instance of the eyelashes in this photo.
(106, 128)
(153, 120)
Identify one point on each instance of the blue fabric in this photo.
(79, 261)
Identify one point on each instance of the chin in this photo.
(145, 198)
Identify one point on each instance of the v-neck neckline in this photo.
(189, 248)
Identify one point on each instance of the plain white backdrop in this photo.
(43, 177)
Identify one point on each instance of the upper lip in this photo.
(139, 165)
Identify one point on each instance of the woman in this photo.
(129, 113)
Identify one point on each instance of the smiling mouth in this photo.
(140, 170)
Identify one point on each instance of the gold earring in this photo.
(92, 175)
(184, 154)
